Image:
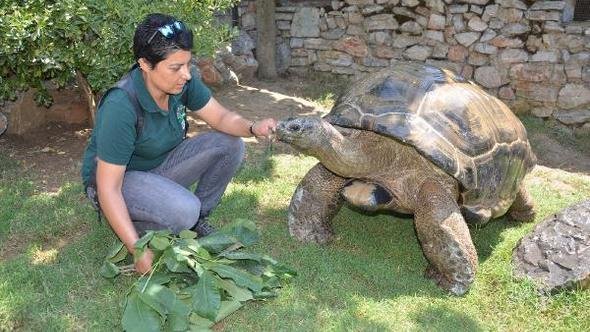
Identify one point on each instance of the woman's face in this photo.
(170, 74)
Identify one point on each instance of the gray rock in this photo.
(475, 2)
(306, 23)
(411, 27)
(381, 22)
(573, 117)
(539, 15)
(512, 4)
(573, 96)
(403, 41)
(485, 48)
(512, 55)
(3, 123)
(457, 9)
(418, 52)
(546, 56)
(489, 77)
(283, 57)
(436, 22)
(467, 38)
(548, 5)
(514, 29)
(436, 5)
(476, 24)
(243, 45)
(556, 254)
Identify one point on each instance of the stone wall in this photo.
(24, 115)
(528, 53)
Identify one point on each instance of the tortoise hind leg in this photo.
(315, 202)
(523, 208)
(445, 238)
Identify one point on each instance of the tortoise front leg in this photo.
(315, 202)
(445, 238)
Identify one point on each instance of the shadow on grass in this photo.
(439, 318)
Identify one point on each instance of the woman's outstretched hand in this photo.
(264, 128)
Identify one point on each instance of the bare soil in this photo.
(52, 153)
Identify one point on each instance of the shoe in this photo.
(203, 228)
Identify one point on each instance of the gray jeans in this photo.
(159, 199)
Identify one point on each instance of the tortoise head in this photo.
(307, 134)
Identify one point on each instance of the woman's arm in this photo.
(224, 120)
(109, 180)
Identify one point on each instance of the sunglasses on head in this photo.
(168, 30)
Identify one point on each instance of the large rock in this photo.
(556, 255)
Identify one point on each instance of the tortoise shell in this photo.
(466, 132)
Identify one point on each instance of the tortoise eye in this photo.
(294, 127)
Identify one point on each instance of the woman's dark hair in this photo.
(151, 44)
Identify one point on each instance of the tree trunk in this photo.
(265, 43)
(90, 97)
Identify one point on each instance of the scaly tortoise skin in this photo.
(415, 139)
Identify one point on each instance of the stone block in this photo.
(574, 96)
(306, 22)
(380, 22)
(418, 52)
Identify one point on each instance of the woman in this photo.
(137, 155)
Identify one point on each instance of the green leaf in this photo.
(170, 258)
(138, 316)
(206, 297)
(241, 278)
(237, 293)
(158, 278)
(243, 230)
(109, 270)
(159, 243)
(227, 308)
(159, 298)
(240, 255)
(143, 241)
(198, 323)
(186, 234)
(177, 319)
(216, 242)
(117, 253)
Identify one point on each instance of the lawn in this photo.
(369, 278)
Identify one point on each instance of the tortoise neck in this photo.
(342, 154)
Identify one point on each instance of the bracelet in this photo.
(252, 128)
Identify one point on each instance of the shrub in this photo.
(90, 40)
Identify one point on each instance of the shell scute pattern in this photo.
(468, 133)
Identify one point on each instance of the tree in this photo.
(88, 41)
(266, 39)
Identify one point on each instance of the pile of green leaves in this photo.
(195, 283)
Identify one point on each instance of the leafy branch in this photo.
(195, 283)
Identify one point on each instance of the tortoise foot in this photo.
(454, 287)
(523, 216)
(523, 208)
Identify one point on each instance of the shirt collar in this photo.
(144, 97)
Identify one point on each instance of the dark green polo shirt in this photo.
(114, 137)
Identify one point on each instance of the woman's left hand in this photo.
(264, 128)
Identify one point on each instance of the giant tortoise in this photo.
(419, 140)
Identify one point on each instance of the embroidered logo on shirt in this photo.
(181, 115)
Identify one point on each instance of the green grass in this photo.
(369, 278)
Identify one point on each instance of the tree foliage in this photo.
(43, 40)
